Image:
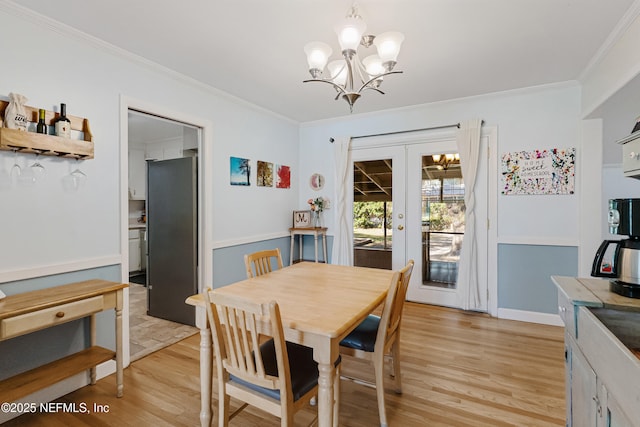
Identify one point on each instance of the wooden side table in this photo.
(309, 231)
(36, 310)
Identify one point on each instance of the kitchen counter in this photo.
(602, 340)
(137, 225)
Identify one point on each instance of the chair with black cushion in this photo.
(276, 376)
(377, 336)
(259, 263)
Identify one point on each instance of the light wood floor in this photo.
(458, 369)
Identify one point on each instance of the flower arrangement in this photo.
(318, 204)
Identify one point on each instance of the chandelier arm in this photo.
(376, 89)
(337, 86)
(364, 85)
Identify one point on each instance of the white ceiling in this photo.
(253, 49)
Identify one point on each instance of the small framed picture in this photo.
(316, 182)
(301, 219)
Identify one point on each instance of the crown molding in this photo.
(58, 27)
(618, 31)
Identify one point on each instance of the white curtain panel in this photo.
(468, 140)
(342, 251)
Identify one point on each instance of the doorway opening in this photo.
(161, 151)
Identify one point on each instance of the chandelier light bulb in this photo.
(388, 46)
(436, 158)
(373, 65)
(350, 32)
(338, 71)
(317, 56)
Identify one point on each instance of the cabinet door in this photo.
(134, 255)
(584, 401)
(615, 416)
(137, 174)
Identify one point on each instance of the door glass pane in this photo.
(372, 213)
(443, 224)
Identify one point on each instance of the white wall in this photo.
(534, 118)
(44, 225)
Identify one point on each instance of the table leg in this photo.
(205, 377)
(325, 353)
(300, 242)
(324, 247)
(292, 238)
(326, 377)
(119, 343)
(315, 243)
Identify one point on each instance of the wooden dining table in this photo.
(320, 304)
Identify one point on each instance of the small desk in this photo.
(320, 304)
(309, 231)
(36, 310)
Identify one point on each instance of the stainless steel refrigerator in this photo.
(172, 239)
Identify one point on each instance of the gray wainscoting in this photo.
(228, 262)
(524, 275)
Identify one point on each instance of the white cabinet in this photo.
(582, 404)
(135, 251)
(602, 387)
(602, 373)
(631, 155)
(137, 174)
(164, 150)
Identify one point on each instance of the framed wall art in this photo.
(265, 174)
(316, 182)
(240, 171)
(283, 176)
(548, 171)
(301, 219)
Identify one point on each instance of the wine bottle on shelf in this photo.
(62, 123)
(42, 125)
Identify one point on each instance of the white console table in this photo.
(309, 231)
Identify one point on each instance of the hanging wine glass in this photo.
(37, 168)
(16, 170)
(75, 179)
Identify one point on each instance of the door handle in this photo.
(400, 227)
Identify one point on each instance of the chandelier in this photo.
(443, 161)
(349, 75)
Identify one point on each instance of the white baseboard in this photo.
(530, 316)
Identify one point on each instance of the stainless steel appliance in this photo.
(622, 263)
(172, 238)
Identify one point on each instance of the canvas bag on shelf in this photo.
(15, 116)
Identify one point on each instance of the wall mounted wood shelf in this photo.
(48, 145)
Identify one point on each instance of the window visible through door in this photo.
(443, 219)
(372, 213)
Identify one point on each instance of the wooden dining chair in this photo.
(262, 262)
(277, 376)
(378, 336)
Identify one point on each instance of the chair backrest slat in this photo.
(234, 325)
(392, 311)
(262, 262)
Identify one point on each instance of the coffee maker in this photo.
(623, 266)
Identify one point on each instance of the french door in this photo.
(419, 193)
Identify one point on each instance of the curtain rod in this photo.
(457, 125)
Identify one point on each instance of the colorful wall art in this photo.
(265, 174)
(283, 176)
(240, 171)
(549, 171)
